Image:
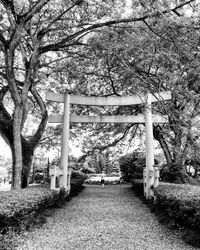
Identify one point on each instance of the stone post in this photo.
(156, 176)
(145, 181)
(52, 173)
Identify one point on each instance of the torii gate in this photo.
(151, 175)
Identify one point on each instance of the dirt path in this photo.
(105, 219)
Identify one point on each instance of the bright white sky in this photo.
(5, 150)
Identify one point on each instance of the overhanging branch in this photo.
(36, 8)
(46, 30)
(64, 42)
(114, 143)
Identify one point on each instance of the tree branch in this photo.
(9, 4)
(38, 135)
(183, 4)
(36, 8)
(45, 30)
(112, 144)
(2, 40)
(153, 31)
(5, 118)
(64, 41)
(110, 78)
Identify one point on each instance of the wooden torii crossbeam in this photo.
(148, 119)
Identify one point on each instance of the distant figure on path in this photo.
(102, 180)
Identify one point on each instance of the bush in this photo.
(77, 180)
(181, 203)
(78, 174)
(18, 205)
(138, 186)
(19, 209)
(132, 165)
(75, 189)
(127, 165)
(173, 173)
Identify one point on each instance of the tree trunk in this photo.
(160, 138)
(22, 150)
(27, 152)
(17, 147)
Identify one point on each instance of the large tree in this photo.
(155, 55)
(35, 35)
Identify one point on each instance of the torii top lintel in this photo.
(110, 100)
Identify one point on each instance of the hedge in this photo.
(176, 205)
(138, 186)
(181, 202)
(16, 205)
(21, 209)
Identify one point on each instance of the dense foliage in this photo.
(157, 55)
(20, 210)
(181, 203)
(177, 205)
(174, 174)
(78, 174)
(15, 205)
(93, 48)
(138, 187)
(132, 165)
(77, 180)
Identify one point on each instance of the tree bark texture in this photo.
(158, 135)
(17, 147)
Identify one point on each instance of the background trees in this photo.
(42, 44)
(29, 30)
(155, 55)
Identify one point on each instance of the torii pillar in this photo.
(149, 171)
(65, 144)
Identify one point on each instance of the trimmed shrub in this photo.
(132, 165)
(75, 189)
(138, 186)
(19, 205)
(78, 174)
(77, 180)
(21, 209)
(181, 202)
(173, 173)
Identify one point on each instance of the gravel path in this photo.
(103, 219)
